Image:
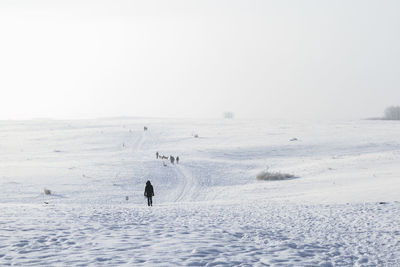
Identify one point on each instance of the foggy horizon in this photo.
(190, 59)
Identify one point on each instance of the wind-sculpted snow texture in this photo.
(341, 209)
(202, 234)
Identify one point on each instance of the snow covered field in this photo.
(342, 209)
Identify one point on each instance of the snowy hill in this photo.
(341, 208)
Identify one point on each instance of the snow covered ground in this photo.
(342, 209)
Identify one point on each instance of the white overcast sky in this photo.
(268, 58)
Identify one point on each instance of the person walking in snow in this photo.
(177, 159)
(149, 193)
(157, 155)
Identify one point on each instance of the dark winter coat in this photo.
(148, 191)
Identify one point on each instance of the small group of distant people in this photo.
(149, 190)
(171, 158)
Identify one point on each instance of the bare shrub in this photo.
(273, 176)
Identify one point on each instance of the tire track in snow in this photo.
(138, 169)
(187, 184)
(136, 147)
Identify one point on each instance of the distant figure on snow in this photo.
(172, 159)
(157, 155)
(149, 193)
(177, 159)
(145, 128)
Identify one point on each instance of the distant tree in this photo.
(392, 113)
(228, 115)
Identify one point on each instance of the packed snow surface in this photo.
(340, 208)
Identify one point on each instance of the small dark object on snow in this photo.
(196, 136)
(47, 191)
(294, 139)
(383, 203)
(145, 128)
(177, 160)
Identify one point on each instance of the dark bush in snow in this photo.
(392, 113)
(272, 176)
